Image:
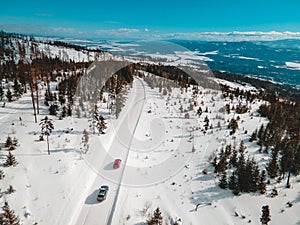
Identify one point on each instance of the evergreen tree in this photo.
(206, 121)
(8, 216)
(233, 158)
(254, 185)
(241, 172)
(17, 89)
(262, 182)
(199, 111)
(64, 111)
(9, 95)
(253, 136)
(221, 166)
(8, 142)
(1, 91)
(102, 125)
(242, 147)
(53, 109)
(69, 110)
(46, 129)
(156, 219)
(85, 141)
(233, 124)
(232, 181)
(272, 166)
(10, 160)
(10, 189)
(223, 180)
(228, 151)
(94, 121)
(265, 217)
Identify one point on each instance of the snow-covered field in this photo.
(164, 149)
(159, 168)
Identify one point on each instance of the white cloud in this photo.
(127, 30)
(64, 30)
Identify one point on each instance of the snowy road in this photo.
(94, 212)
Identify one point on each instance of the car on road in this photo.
(117, 163)
(102, 193)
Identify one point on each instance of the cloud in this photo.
(134, 33)
(127, 30)
(116, 32)
(64, 30)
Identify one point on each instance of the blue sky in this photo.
(154, 18)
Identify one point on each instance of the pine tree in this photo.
(223, 180)
(85, 141)
(8, 142)
(1, 91)
(17, 89)
(64, 111)
(233, 158)
(262, 182)
(221, 166)
(10, 160)
(102, 125)
(69, 110)
(206, 121)
(233, 124)
(94, 121)
(46, 129)
(265, 217)
(272, 166)
(53, 109)
(8, 216)
(241, 172)
(242, 147)
(254, 185)
(232, 181)
(156, 219)
(253, 136)
(199, 111)
(10, 189)
(9, 95)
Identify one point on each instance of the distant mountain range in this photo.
(277, 61)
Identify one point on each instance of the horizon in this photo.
(203, 20)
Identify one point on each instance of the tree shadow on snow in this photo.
(92, 198)
(65, 150)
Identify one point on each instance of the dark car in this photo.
(117, 163)
(102, 193)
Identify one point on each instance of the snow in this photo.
(293, 65)
(158, 167)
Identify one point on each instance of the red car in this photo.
(117, 163)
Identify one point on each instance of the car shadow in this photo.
(109, 166)
(92, 198)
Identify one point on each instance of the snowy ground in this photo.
(160, 171)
